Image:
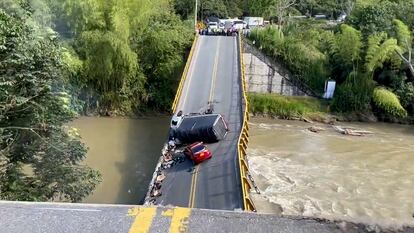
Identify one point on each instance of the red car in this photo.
(198, 152)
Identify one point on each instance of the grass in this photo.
(287, 107)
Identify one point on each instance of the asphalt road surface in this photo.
(213, 77)
(25, 217)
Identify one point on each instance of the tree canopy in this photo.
(40, 158)
(111, 40)
(372, 48)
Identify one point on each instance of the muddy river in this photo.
(366, 179)
(125, 151)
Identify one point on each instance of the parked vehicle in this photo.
(342, 17)
(197, 152)
(239, 25)
(253, 21)
(228, 27)
(213, 28)
(206, 128)
(320, 17)
(221, 26)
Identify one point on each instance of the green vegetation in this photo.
(388, 101)
(40, 160)
(59, 58)
(285, 107)
(303, 59)
(373, 48)
(206, 8)
(128, 54)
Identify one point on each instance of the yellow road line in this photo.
(143, 219)
(190, 199)
(195, 175)
(193, 187)
(179, 220)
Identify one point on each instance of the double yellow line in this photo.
(144, 216)
(193, 188)
(194, 177)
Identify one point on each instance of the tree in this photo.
(185, 8)
(373, 18)
(215, 8)
(405, 12)
(260, 7)
(160, 48)
(330, 7)
(281, 8)
(345, 50)
(234, 8)
(405, 40)
(406, 94)
(109, 40)
(347, 6)
(40, 158)
(380, 49)
(206, 8)
(271, 8)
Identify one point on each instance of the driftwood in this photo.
(351, 131)
(307, 120)
(315, 129)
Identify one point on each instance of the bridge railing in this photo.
(244, 137)
(184, 75)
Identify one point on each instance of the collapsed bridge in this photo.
(214, 75)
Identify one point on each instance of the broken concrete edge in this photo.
(342, 225)
(152, 182)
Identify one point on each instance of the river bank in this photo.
(332, 176)
(310, 109)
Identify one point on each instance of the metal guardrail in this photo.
(244, 139)
(184, 75)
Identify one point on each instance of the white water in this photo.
(366, 179)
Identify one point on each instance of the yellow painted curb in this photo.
(243, 139)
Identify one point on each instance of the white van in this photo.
(239, 25)
(213, 25)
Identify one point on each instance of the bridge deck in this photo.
(213, 77)
(65, 217)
